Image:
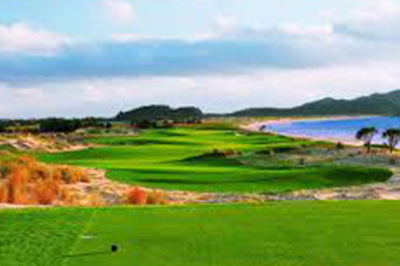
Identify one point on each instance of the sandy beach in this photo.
(257, 127)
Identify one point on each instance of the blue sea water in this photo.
(338, 129)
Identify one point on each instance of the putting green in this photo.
(291, 233)
(180, 159)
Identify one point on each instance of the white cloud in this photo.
(296, 29)
(356, 57)
(21, 38)
(378, 21)
(216, 93)
(119, 10)
(226, 23)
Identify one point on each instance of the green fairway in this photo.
(39, 237)
(180, 158)
(293, 233)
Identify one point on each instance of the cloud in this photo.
(238, 65)
(160, 57)
(214, 93)
(120, 11)
(235, 47)
(20, 38)
(226, 23)
(378, 21)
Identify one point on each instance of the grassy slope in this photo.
(293, 233)
(172, 159)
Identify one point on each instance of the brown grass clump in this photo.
(139, 196)
(23, 180)
(70, 175)
(17, 184)
(66, 196)
(95, 200)
(3, 193)
(156, 197)
(46, 191)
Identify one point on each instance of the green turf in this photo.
(39, 237)
(179, 158)
(364, 233)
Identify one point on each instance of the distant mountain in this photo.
(387, 104)
(160, 112)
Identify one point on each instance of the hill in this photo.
(160, 112)
(386, 104)
(377, 104)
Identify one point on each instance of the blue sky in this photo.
(96, 57)
(168, 18)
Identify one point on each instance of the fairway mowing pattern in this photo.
(182, 159)
(346, 233)
(39, 237)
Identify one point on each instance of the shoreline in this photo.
(256, 127)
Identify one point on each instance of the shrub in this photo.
(17, 186)
(4, 171)
(46, 191)
(26, 181)
(392, 161)
(39, 172)
(66, 197)
(137, 196)
(339, 146)
(95, 200)
(156, 197)
(3, 193)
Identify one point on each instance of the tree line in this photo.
(52, 125)
(367, 134)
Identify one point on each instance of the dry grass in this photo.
(139, 196)
(23, 180)
(156, 197)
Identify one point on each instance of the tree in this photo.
(59, 125)
(3, 128)
(367, 134)
(393, 137)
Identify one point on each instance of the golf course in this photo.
(199, 133)
(298, 233)
(214, 159)
(218, 159)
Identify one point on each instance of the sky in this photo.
(97, 57)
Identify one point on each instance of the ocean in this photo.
(336, 129)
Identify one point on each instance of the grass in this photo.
(23, 180)
(39, 237)
(182, 159)
(292, 233)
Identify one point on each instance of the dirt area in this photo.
(46, 143)
(102, 191)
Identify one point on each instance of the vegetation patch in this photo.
(23, 180)
(216, 160)
(284, 233)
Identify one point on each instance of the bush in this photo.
(70, 175)
(26, 181)
(3, 193)
(156, 197)
(137, 196)
(17, 186)
(46, 191)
